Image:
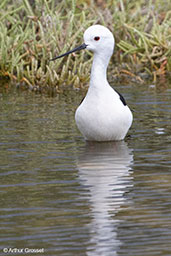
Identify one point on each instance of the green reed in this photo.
(32, 32)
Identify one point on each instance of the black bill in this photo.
(83, 46)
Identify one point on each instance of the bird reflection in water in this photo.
(104, 170)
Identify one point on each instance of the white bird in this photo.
(103, 115)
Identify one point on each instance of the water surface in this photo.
(72, 198)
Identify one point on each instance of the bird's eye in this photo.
(97, 38)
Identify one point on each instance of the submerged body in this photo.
(103, 115)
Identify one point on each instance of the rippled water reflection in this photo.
(75, 198)
(104, 170)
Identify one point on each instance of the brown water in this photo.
(72, 198)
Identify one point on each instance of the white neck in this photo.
(98, 71)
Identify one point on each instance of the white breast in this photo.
(102, 116)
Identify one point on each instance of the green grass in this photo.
(31, 34)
